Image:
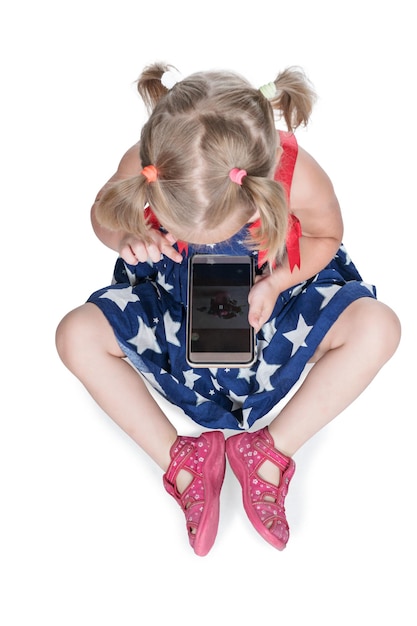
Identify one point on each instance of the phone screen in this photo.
(218, 331)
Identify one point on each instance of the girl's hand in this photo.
(133, 250)
(262, 299)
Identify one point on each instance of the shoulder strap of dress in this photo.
(285, 169)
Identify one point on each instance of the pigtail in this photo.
(294, 97)
(121, 207)
(149, 84)
(269, 232)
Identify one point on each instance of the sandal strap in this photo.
(265, 445)
(204, 458)
(263, 501)
(179, 460)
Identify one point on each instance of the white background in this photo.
(88, 535)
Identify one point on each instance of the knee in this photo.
(381, 328)
(367, 325)
(74, 336)
(391, 329)
(67, 336)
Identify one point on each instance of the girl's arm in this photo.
(129, 247)
(314, 202)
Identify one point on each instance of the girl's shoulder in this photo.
(309, 181)
(313, 200)
(129, 164)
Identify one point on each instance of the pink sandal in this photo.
(246, 453)
(204, 458)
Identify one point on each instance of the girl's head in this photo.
(198, 131)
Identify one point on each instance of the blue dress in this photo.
(146, 307)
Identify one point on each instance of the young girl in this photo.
(212, 174)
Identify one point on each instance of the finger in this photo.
(171, 253)
(255, 319)
(128, 255)
(166, 244)
(154, 252)
(140, 251)
(170, 238)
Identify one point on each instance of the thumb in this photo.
(255, 317)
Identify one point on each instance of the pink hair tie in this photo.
(236, 175)
(150, 173)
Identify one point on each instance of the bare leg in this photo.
(88, 347)
(361, 341)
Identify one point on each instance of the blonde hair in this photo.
(206, 125)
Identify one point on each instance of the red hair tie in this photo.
(150, 173)
(236, 175)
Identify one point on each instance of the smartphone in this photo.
(218, 331)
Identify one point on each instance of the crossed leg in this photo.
(360, 342)
(86, 344)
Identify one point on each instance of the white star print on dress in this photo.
(237, 400)
(269, 330)
(121, 297)
(171, 329)
(190, 378)
(200, 399)
(348, 260)
(245, 373)
(327, 293)
(298, 336)
(145, 339)
(263, 375)
(163, 283)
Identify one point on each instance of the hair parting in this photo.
(203, 128)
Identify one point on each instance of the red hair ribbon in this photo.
(150, 173)
(293, 244)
